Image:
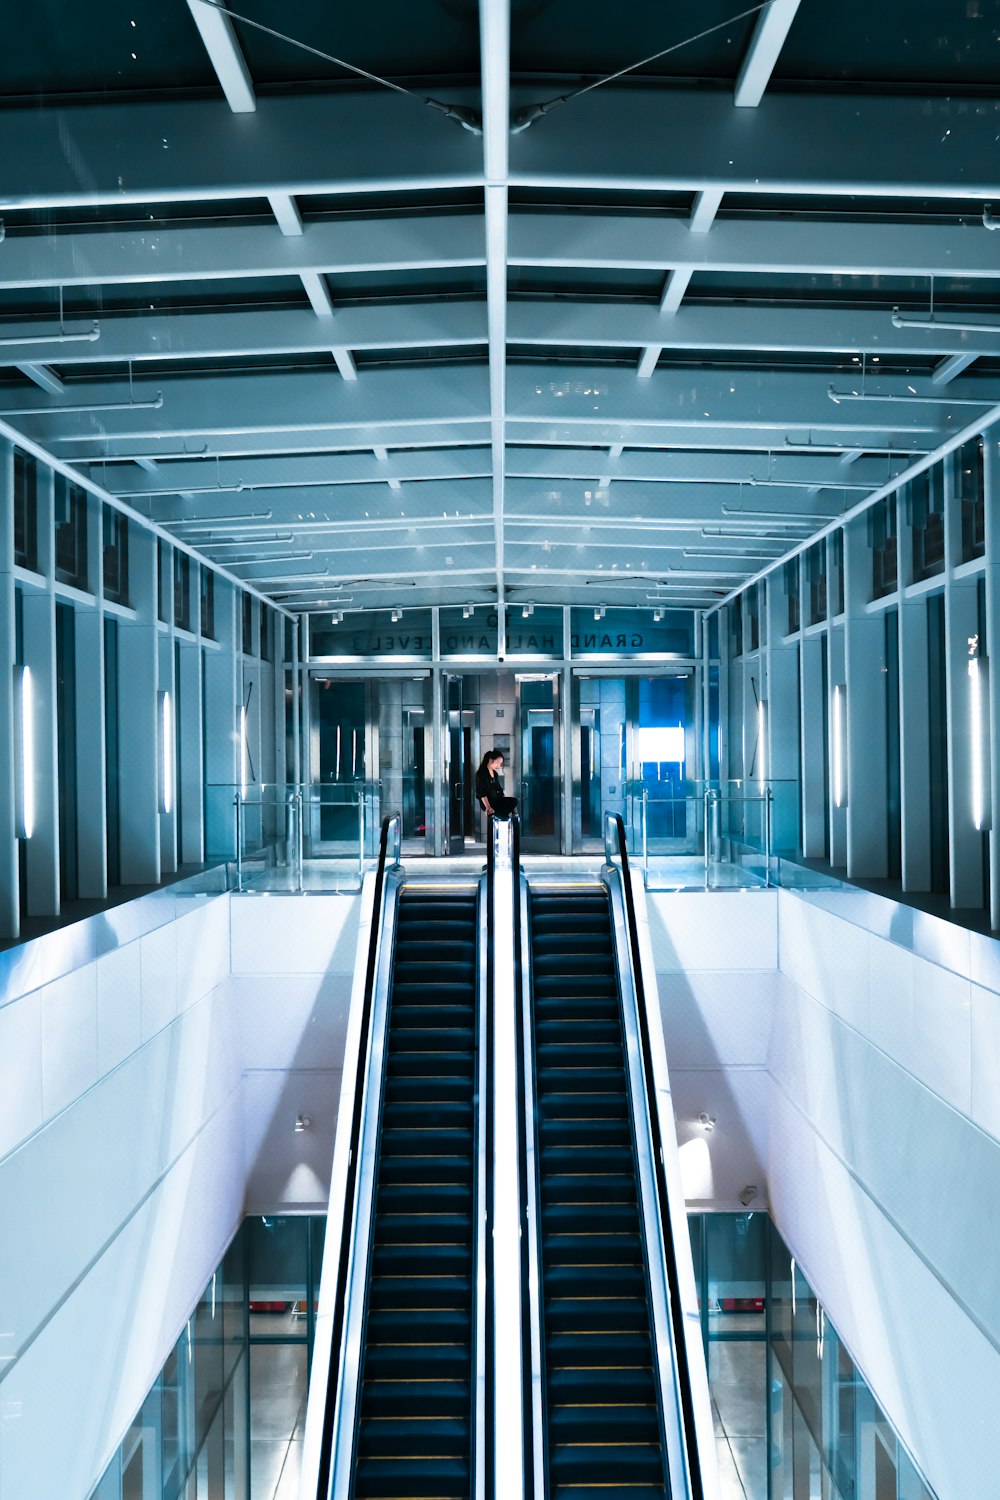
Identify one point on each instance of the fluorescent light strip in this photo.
(25, 695)
(244, 752)
(761, 730)
(839, 796)
(977, 734)
(166, 753)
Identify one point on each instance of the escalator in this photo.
(603, 1418)
(415, 1408)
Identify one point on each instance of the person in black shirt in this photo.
(489, 787)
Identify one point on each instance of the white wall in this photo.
(884, 1160)
(849, 1048)
(152, 1062)
(292, 966)
(716, 958)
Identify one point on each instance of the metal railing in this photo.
(616, 849)
(390, 838)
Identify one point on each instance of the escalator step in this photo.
(416, 1436)
(607, 1463)
(633, 1385)
(404, 1477)
(417, 1397)
(407, 1292)
(435, 1326)
(583, 1190)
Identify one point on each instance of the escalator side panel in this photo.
(602, 1401)
(415, 1422)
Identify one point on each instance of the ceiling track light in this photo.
(396, 615)
(600, 611)
(792, 516)
(277, 557)
(183, 489)
(468, 610)
(87, 406)
(808, 446)
(931, 320)
(657, 616)
(527, 610)
(337, 618)
(838, 396)
(64, 336)
(761, 556)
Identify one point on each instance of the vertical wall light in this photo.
(978, 737)
(244, 751)
(24, 750)
(761, 741)
(837, 747)
(165, 726)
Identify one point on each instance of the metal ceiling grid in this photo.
(558, 351)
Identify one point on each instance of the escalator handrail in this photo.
(390, 836)
(614, 822)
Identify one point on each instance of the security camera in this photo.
(748, 1194)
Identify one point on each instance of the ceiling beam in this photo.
(42, 376)
(698, 327)
(219, 38)
(427, 242)
(773, 26)
(652, 140)
(494, 47)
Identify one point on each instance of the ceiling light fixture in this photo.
(62, 337)
(337, 618)
(468, 610)
(527, 610)
(396, 616)
(931, 320)
(87, 406)
(600, 611)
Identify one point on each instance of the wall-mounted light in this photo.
(979, 788)
(527, 610)
(761, 741)
(837, 747)
(337, 618)
(600, 611)
(657, 616)
(706, 1121)
(468, 610)
(165, 729)
(302, 1122)
(244, 751)
(397, 615)
(24, 750)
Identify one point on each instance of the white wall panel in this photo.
(712, 1019)
(295, 1021)
(985, 1031)
(119, 1019)
(713, 930)
(931, 1367)
(158, 974)
(67, 1401)
(287, 1170)
(941, 1039)
(69, 1039)
(201, 946)
(293, 935)
(20, 1071)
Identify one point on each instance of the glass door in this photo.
(538, 770)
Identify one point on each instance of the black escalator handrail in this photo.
(676, 1310)
(393, 822)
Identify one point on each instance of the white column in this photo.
(39, 616)
(781, 715)
(811, 714)
(91, 811)
(221, 727)
(138, 768)
(9, 853)
(992, 483)
(166, 683)
(961, 624)
(864, 641)
(190, 776)
(914, 721)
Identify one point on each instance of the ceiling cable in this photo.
(469, 119)
(527, 115)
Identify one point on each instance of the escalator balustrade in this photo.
(604, 1434)
(415, 1424)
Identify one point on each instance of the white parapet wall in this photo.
(153, 1061)
(848, 1050)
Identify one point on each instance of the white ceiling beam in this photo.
(768, 245)
(950, 368)
(286, 211)
(773, 26)
(652, 140)
(219, 38)
(44, 377)
(494, 47)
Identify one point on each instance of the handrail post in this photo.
(238, 802)
(361, 831)
(645, 834)
(707, 817)
(300, 812)
(767, 835)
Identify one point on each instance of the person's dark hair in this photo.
(494, 754)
